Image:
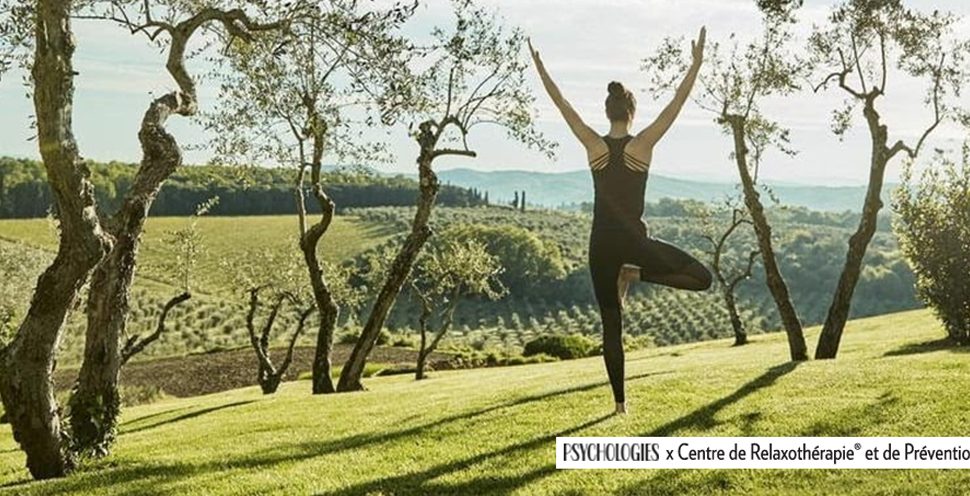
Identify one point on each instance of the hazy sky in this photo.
(585, 44)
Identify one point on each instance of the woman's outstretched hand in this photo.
(697, 47)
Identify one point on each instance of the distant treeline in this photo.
(24, 192)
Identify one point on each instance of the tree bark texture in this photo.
(838, 314)
(776, 283)
(400, 269)
(28, 361)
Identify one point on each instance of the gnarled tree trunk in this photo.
(95, 403)
(740, 335)
(424, 323)
(28, 361)
(776, 283)
(400, 269)
(838, 314)
(309, 242)
(268, 375)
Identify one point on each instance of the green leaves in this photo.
(933, 226)
(188, 245)
(736, 77)
(476, 75)
(458, 268)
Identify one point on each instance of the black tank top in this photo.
(619, 184)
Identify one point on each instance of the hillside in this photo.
(24, 192)
(215, 316)
(810, 245)
(493, 431)
(575, 187)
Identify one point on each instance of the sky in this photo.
(584, 43)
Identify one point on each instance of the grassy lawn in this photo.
(493, 431)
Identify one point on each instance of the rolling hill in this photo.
(574, 187)
(493, 431)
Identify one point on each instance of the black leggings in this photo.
(660, 263)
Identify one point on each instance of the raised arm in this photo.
(586, 135)
(650, 135)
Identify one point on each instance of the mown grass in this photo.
(492, 431)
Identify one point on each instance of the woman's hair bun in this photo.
(616, 89)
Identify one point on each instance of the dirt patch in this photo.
(196, 375)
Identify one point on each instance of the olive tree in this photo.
(855, 53)
(299, 98)
(475, 76)
(729, 269)
(95, 401)
(270, 278)
(27, 362)
(443, 276)
(933, 225)
(733, 87)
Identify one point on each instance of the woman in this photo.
(620, 250)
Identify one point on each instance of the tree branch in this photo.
(901, 146)
(299, 330)
(133, 346)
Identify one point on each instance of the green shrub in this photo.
(631, 343)
(140, 395)
(933, 226)
(347, 338)
(370, 370)
(565, 347)
(525, 360)
(404, 341)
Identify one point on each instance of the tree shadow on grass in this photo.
(853, 421)
(420, 482)
(703, 417)
(154, 415)
(187, 416)
(674, 483)
(98, 476)
(16, 483)
(928, 347)
(103, 476)
(357, 441)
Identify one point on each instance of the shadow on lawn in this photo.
(928, 347)
(356, 441)
(420, 482)
(186, 416)
(152, 478)
(154, 415)
(703, 417)
(852, 422)
(674, 482)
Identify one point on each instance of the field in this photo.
(493, 431)
(214, 318)
(224, 238)
(810, 254)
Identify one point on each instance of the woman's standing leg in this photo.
(604, 265)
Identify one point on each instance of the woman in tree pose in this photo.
(620, 250)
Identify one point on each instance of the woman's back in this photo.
(619, 183)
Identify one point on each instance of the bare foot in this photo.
(628, 273)
(620, 409)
